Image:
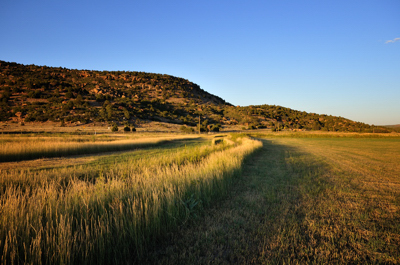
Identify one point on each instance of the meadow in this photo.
(311, 199)
(265, 198)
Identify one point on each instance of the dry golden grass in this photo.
(312, 199)
(20, 147)
(111, 211)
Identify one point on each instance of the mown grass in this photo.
(321, 134)
(302, 201)
(111, 212)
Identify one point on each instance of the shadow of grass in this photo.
(289, 206)
(85, 150)
(261, 220)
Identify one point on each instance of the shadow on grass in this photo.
(86, 150)
(261, 221)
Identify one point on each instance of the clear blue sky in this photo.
(337, 57)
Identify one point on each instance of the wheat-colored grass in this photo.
(17, 148)
(100, 214)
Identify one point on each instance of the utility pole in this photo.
(199, 125)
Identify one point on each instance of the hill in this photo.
(393, 127)
(31, 93)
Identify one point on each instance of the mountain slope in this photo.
(32, 93)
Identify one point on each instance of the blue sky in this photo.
(337, 57)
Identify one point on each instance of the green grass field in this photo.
(302, 201)
(283, 199)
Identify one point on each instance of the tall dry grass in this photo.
(115, 216)
(25, 148)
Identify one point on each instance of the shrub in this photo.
(186, 129)
(215, 128)
(127, 129)
(114, 128)
(202, 128)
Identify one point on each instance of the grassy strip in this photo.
(33, 148)
(302, 201)
(319, 134)
(175, 153)
(114, 219)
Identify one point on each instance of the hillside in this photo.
(393, 127)
(32, 93)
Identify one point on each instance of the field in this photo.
(222, 199)
(108, 208)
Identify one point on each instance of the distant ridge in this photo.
(31, 93)
(392, 126)
(395, 127)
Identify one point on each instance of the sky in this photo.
(339, 58)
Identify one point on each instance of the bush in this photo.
(127, 129)
(215, 128)
(186, 129)
(114, 128)
(29, 118)
(202, 128)
(133, 129)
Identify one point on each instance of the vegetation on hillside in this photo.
(30, 93)
(33, 93)
(395, 128)
(281, 118)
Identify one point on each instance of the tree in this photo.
(126, 114)
(202, 129)
(109, 112)
(100, 97)
(79, 100)
(69, 94)
(114, 128)
(215, 128)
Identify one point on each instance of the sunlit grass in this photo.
(326, 199)
(322, 134)
(302, 200)
(19, 148)
(348, 201)
(354, 218)
(110, 213)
